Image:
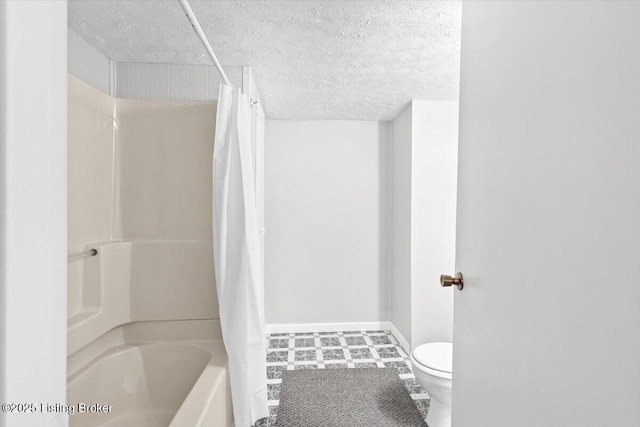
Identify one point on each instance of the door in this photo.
(547, 327)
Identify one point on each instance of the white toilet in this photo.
(432, 366)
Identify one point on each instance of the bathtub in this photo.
(156, 382)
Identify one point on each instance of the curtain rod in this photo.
(203, 38)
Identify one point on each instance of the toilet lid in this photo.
(435, 355)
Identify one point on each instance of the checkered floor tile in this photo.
(332, 350)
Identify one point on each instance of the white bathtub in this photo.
(175, 383)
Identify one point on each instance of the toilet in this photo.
(432, 366)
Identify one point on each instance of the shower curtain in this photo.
(237, 258)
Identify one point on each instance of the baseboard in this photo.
(281, 328)
(404, 343)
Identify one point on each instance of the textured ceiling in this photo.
(356, 60)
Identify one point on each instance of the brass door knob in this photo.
(446, 280)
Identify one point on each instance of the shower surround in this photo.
(140, 193)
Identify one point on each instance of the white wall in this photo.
(150, 82)
(86, 63)
(360, 221)
(433, 218)
(547, 329)
(325, 234)
(171, 82)
(33, 126)
(400, 222)
(422, 229)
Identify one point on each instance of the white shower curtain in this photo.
(238, 262)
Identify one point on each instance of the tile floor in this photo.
(333, 350)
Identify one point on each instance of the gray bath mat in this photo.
(346, 398)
